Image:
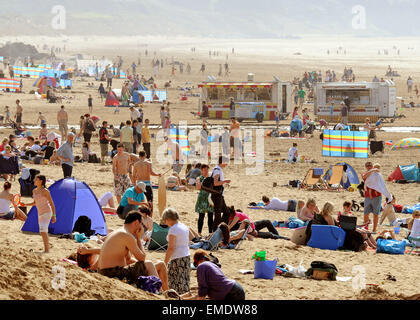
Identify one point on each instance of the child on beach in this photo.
(45, 207)
(43, 132)
(7, 113)
(293, 153)
(346, 210)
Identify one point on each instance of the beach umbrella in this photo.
(406, 143)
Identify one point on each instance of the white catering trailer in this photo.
(374, 100)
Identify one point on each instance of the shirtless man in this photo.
(116, 257)
(19, 111)
(62, 119)
(176, 152)
(121, 169)
(142, 170)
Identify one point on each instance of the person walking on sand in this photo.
(62, 119)
(90, 104)
(19, 112)
(65, 154)
(46, 209)
(374, 189)
(145, 135)
(121, 169)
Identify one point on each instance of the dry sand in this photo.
(27, 275)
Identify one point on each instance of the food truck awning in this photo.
(235, 85)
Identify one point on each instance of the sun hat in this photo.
(141, 185)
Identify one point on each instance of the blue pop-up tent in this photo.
(72, 199)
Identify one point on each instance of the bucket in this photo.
(265, 269)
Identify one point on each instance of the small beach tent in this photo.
(72, 199)
(352, 177)
(407, 173)
(111, 100)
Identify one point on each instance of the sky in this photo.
(211, 18)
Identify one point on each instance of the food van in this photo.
(374, 100)
(253, 100)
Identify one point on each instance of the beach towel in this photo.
(376, 182)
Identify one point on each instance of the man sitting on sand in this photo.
(116, 257)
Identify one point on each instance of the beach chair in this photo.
(158, 240)
(312, 180)
(336, 177)
(243, 237)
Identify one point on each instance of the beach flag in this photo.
(345, 144)
(11, 84)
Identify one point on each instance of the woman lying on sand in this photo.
(237, 216)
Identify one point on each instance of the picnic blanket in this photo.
(411, 209)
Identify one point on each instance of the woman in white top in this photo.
(178, 253)
(5, 199)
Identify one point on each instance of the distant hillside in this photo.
(214, 18)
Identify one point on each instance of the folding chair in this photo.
(242, 238)
(336, 177)
(312, 180)
(158, 240)
(216, 238)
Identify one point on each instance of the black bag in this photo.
(90, 126)
(38, 159)
(215, 260)
(93, 158)
(83, 225)
(294, 183)
(354, 241)
(323, 265)
(208, 185)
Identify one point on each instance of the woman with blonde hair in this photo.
(326, 212)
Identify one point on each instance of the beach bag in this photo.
(208, 186)
(83, 225)
(390, 246)
(93, 158)
(265, 269)
(321, 270)
(90, 126)
(150, 284)
(294, 223)
(294, 183)
(38, 159)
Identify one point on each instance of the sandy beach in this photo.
(26, 274)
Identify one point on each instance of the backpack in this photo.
(83, 225)
(90, 126)
(321, 270)
(208, 185)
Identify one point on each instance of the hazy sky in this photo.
(214, 18)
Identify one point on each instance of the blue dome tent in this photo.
(72, 199)
(352, 177)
